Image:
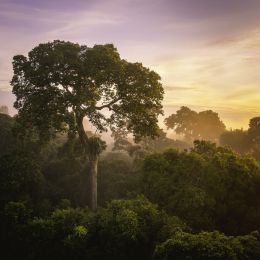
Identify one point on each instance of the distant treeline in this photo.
(190, 125)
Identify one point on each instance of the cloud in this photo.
(178, 88)
(85, 21)
(49, 19)
(246, 92)
(249, 40)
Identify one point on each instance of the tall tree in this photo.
(192, 125)
(61, 83)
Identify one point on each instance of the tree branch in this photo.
(108, 105)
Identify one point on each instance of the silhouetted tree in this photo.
(192, 125)
(61, 83)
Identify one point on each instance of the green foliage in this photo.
(96, 145)
(206, 245)
(14, 217)
(146, 146)
(43, 184)
(125, 229)
(20, 178)
(251, 246)
(17, 213)
(56, 235)
(62, 82)
(7, 139)
(128, 229)
(65, 179)
(210, 187)
(116, 178)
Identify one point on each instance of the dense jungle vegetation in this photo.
(156, 198)
(201, 203)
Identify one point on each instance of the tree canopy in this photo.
(196, 125)
(61, 83)
(209, 187)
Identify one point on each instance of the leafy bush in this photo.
(209, 245)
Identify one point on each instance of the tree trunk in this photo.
(93, 161)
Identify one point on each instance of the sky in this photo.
(207, 52)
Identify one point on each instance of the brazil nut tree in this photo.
(61, 83)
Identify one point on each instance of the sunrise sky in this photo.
(206, 51)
